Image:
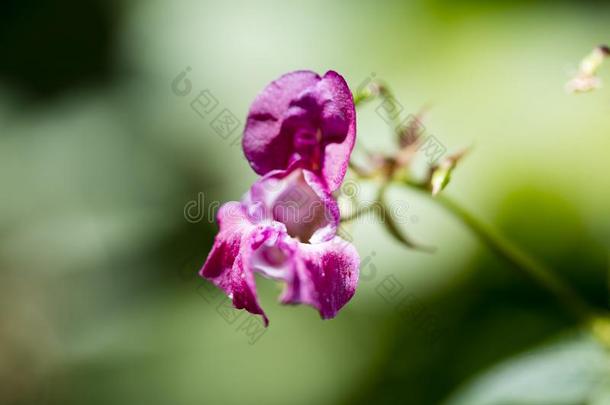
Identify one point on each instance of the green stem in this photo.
(596, 321)
(390, 223)
(519, 259)
(382, 90)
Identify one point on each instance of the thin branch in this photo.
(391, 225)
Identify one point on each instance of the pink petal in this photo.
(265, 147)
(297, 198)
(325, 276)
(302, 117)
(227, 265)
(339, 119)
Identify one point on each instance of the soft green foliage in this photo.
(571, 371)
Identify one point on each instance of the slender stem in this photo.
(380, 89)
(597, 321)
(391, 225)
(519, 259)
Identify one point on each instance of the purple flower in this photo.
(302, 117)
(284, 229)
(299, 135)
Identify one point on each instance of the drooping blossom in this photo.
(299, 136)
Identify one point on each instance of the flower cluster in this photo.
(299, 135)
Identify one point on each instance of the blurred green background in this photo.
(99, 157)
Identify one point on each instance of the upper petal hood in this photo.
(302, 117)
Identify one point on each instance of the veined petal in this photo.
(285, 229)
(302, 117)
(265, 146)
(325, 276)
(338, 124)
(331, 215)
(298, 199)
(232, 222)
(227, 265)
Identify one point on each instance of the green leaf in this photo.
(574, 371)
